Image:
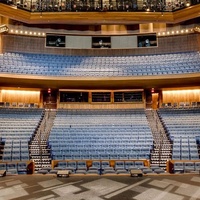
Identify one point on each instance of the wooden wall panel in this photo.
(181, 96)
(20, 96)
(170, 44)
(0, 96)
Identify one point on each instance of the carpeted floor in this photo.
(150, 187)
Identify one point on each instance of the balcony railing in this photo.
(101, 5)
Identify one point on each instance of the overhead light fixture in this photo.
(188, 4)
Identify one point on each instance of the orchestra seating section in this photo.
(182, 126)
(17, 127)
(100, 135)
(102, 167)
(99, 66)
(99, 141)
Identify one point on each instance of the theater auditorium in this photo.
(99, 99)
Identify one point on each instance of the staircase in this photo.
(162, 149)
(38, 149)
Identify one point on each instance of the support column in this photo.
(3, 21)
(89, 97)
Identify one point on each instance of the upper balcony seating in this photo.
(183, 127)
(99, 66)
(82, 6)
(100, 134)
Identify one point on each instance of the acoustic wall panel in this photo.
(124, 42)
(78, 42)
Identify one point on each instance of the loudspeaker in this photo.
(62, 173)
(2, 173)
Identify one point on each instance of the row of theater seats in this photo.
(100, 167)
(16, 150)
(18, 105)
(108, 134)
(14, 168)
(183, 105)
(17, 127)
(182, 126)
(181, 167)
(58, 65)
